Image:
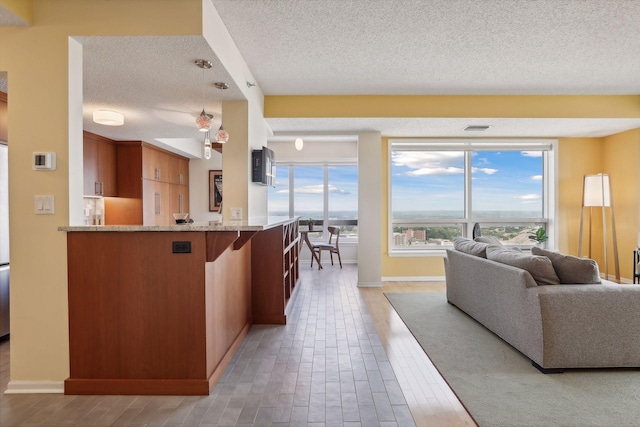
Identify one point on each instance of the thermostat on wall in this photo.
(44, 161)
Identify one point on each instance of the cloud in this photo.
(488, 171)
(536, 178)
(529, 197)
(315, 189)
(436, 171)
(531, 153)
(427, 159)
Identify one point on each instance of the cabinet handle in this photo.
(180, 182)
(157, 196)
(157, 173)
(180, 201)
(96, 188)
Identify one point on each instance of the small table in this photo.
(305, 238)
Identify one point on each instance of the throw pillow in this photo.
(470, 247)
(571, 269)
(540, 267)
(492, 240)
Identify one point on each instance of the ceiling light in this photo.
(299, 144)
(477, 128)
(203, 120)
(222, 136)
(108, 118)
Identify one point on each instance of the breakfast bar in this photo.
(161, 310)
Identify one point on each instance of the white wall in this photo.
(199, 186)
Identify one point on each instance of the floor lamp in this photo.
(596, 193)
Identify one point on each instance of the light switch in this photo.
(44, 205)
(236, 213)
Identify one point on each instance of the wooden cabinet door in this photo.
(90, 168)
(178, 170)
(179, 195)
(155, 203)
(107, 169)
(155, 164)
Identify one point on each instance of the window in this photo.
(440, 189)
(327, 193)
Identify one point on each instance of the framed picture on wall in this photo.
(215, 190)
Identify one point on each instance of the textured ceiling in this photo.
(155, 83)
(8, 18)
(492, 47)
(298, 47)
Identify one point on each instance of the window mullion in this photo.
(468, 214)
(325, 194)
(291, 192)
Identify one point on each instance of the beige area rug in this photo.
(499, 386)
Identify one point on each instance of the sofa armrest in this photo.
(588, 326)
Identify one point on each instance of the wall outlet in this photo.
(236, 213)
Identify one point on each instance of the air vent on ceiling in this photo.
(477, 128)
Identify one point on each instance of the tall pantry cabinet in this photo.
(160, 178)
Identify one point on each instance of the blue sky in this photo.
(343, 189)
(501, 180)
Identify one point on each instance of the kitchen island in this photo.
(162, 309)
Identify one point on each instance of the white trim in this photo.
(369, 284)
(419, 253)
(415, 279)
(35, 387)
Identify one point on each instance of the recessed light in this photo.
(477, 128)
(221, 85)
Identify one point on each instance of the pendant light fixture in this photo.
(207, 146)
(203, 120)
(222, 136)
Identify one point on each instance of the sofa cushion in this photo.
(571, 269)
(470, 247)
(540, 267)
(492, 240)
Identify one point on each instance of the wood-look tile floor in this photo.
(345, 358)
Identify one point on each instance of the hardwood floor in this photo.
(344, 359)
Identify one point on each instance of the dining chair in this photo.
(331, 246)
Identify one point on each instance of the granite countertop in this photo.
(253, 224)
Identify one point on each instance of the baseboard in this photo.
(35, 387)
(414, 279)
(369, 284)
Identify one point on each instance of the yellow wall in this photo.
(36, 61)
(621, 160)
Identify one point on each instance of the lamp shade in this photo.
(597, 190)
(108, 117)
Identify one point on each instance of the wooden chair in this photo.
(330, 246)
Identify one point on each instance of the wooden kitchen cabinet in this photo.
(155, 203)
(179, 199)
(178, 170)
(99, 157)
(152, 174)
(155, 164)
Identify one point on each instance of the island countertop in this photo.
(253, 224)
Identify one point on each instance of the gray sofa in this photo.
(556, 326)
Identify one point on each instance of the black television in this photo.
(263, 167)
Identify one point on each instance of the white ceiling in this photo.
(309, 47)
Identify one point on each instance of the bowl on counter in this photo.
(181, 218)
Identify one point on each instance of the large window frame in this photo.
(321, 225)
(466, 223)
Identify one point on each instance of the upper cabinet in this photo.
(178, 170)
(4, 122)
(155, 164)
(99, 156)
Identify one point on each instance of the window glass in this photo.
(308, 192)
(420, 236)
(343, 200)
(506, 184)
(278, 196)
(427, 184)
